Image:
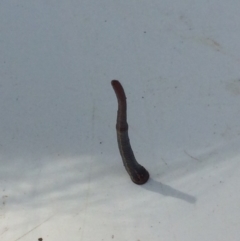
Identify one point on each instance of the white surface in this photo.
(61, 175)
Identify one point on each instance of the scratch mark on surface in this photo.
(191, 156)
(164, 161)
(89, 176)
(34, 228)
(211, 43)
(86, 202)
(4, 231)
(207, 41)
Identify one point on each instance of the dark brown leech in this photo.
(138, 173)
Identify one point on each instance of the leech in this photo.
(137, 173)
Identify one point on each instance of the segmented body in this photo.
(138, 173)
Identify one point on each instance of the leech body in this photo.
(137, 173)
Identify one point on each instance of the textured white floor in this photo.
(61, 176)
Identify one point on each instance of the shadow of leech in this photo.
(166, 190)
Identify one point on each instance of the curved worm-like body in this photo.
(138, 173)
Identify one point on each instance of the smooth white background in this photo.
(61, 175)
